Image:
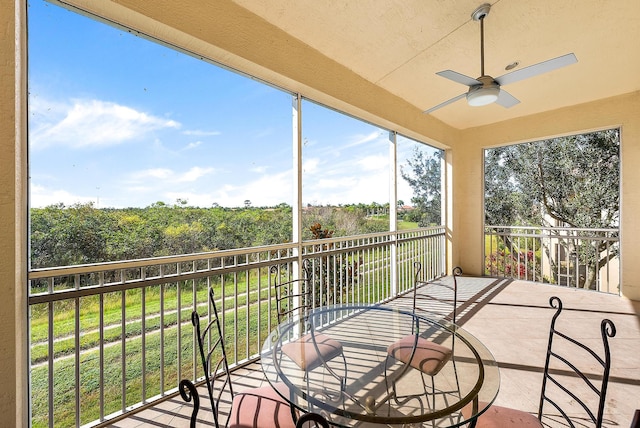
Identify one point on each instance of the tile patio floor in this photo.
(512, 319)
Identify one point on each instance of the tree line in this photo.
(567, 181)
(81, 233)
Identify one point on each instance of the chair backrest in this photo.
(436, 294)
(559, 351)
(214, 357)
(294, 297)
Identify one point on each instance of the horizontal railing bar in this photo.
(152, 261)
(401, 240)
(538, 235)
(578, 229)
(92, 290)
(177, 277)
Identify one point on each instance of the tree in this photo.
(63, 236)
(424, 177)
(331, 275)
(570, 181)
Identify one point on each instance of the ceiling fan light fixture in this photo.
(482, 95)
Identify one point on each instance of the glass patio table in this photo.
(363, 385)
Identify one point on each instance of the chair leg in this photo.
(344, 379)
(315, 418)
(636, 420)
(456, 391)
(393, 392)
(434, 392)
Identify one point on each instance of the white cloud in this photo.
(157, 173)
(375, 141)
(310, 165)
(347, 190)
(258, 169)
(358, 140)
(88, 123)
(335, 183)
(199, 133)
(194, 174)
(139, 189)
(41, 196)
(166, 176)
(193, 145)
(374, 163)
(267, 190)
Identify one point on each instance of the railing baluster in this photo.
(235, 311)
(259, 310)
(76, 327)
(77, 358)
(179, 324)
(162, 291)
(123, 356)
(51, 355)
(101, 346)
(143, 340)
(248, 314)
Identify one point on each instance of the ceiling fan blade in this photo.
(458, 78)
(539, 68)
(505, 99)
(454, 99)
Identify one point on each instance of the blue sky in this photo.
(120, 121)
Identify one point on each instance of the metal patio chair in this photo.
(294, 301)
(260, 407)
(425, 355)
(556, 378)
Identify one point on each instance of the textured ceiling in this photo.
(399, 45)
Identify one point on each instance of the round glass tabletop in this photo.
(376, 364)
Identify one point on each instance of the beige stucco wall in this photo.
(242, 41)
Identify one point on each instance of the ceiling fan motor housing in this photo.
(486, 93)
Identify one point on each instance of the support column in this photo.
(14, 370)
(296, 113)
(393, 208)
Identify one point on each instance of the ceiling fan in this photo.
(485, 89)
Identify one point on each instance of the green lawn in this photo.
(406, 225)
(236, 325)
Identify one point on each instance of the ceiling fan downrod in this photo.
(478, 15)
(482, 46)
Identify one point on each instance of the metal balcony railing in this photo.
(573, 257)
(110, 338)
